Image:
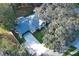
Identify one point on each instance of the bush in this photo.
(66, 53)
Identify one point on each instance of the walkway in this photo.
(36, 48)
(33, 46)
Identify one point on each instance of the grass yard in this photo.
(39, 35)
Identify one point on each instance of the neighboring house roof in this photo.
(75, 43)
(76, 10)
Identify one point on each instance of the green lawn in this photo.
(39, 35)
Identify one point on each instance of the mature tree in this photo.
(63, 25)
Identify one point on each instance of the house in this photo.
(22, 25)
(25, 27)
(29, 24)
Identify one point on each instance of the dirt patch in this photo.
(8, 35)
